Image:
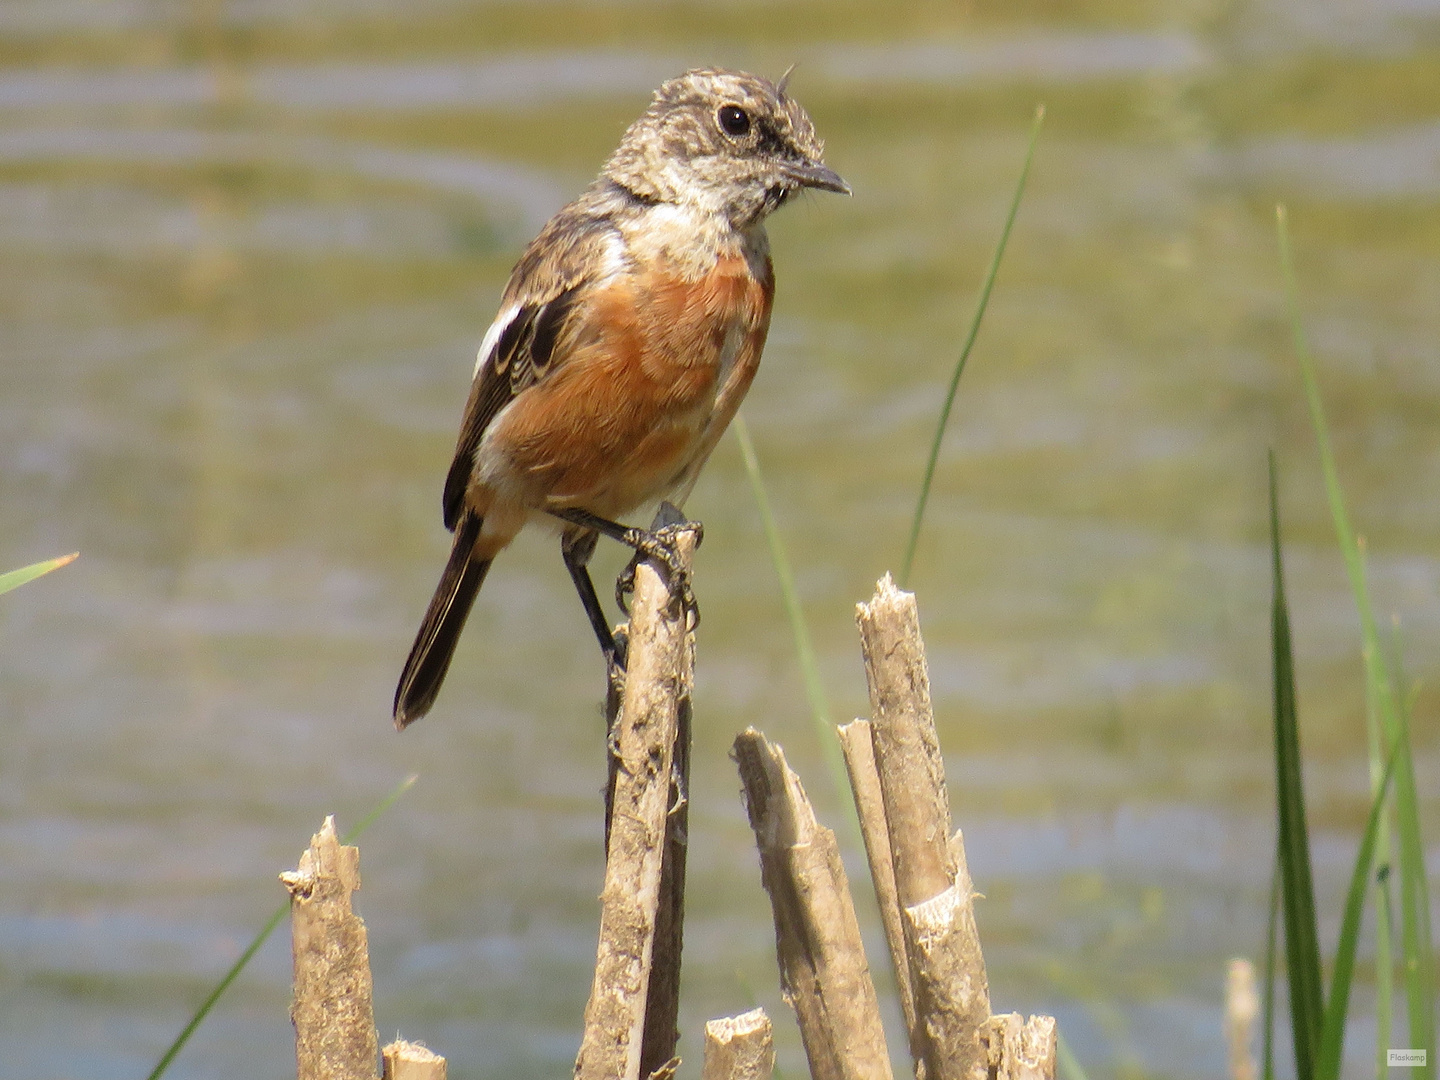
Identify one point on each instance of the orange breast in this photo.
(621, 419)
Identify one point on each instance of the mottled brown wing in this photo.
(545, 293)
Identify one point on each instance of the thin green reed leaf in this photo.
(1302, 940)
(1417, 947)
(1384, 972)
(1267, 1041)
(809, 666)
(965, 353)
(1384, 937)
(1343, 530)
(1096, 999)
(15, 578)
(1065, 1058)
(799, 629)
(276, 918)
(1332, 1034)
(384, 804)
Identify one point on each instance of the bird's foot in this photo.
(661, 543)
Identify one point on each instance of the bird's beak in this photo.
(813, 174)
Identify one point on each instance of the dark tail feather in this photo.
(429, 657)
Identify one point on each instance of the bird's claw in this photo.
(617, 658)
(625, 584)
(668, 552)
(662, 545)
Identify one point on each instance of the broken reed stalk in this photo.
(662, 997)
(333, 1010)
(906, 750)
(1020, 1049)
(660, 673)
(823, 970)
(739, 1047)
(937, 955)
(411, 1061)
(1242, 1009)
(856, 745)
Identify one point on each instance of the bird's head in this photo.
(725, 142)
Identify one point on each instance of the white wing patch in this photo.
(492, 336)
(616, 257)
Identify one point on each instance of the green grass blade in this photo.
(1384, 936)
(276, 918)
(1384, 908)
(380, 808)
(1297, 893)
(799, 629)
(1417, 943)
(1332, 1035)
(965, 353)
(1068, 1064)
(1267, 1040)
(1384, 969)
(15, 578)
(1417, 946)
(1097, 999)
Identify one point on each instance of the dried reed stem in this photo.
(907, 752)
(1020, 1050)
(855, 744)
(1242, 1009)
(333, 1011)
(937, 954)
(659, 675)
(411, 1061)
(951, 993)
(941, 956)
(739, 1047)
(823, 971)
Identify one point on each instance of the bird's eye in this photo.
(733, 120)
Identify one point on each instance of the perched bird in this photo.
(629, 332)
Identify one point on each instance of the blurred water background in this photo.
(247, 250)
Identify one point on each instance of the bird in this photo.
(629, 331)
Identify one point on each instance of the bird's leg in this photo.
(576, 547)
(656, 543)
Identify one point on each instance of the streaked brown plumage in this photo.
(628, 334)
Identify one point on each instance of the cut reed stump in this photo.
(922, 885)
(823, 970)
(333, 1011)
(1242, 1009)
(411, 1061)
(739, 1047)
(630, 1019)
(859, 753)
(922, 882)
